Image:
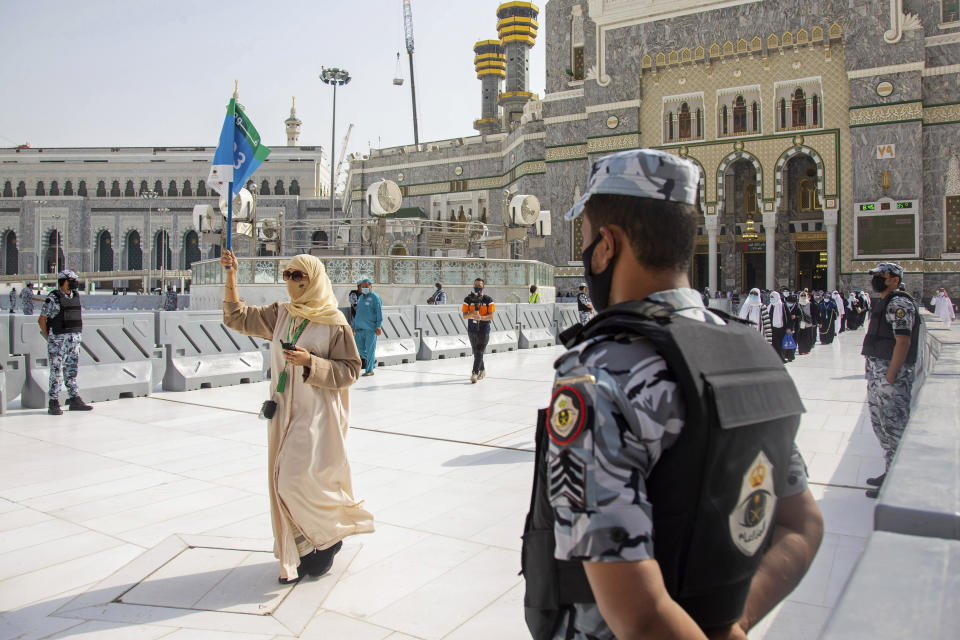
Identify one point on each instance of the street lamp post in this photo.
(149, 196)
(164, 246)
(37, 233)
(334, 77)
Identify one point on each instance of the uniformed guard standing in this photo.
(26, 299)
(534, 297)
(584, 306)
(13, 299)
(62, 317)
(170, 301)
(635, 447)
(890, 353)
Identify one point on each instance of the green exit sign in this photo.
(868, 207)
(904, 205)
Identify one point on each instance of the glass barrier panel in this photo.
(245, 272)
(265, 272)
(338, 270)
(517, 274)
(383, 271)
(428, 271)
(452, 272)
(496, 273)
(362, 268)
(405, 272)
(472, 271)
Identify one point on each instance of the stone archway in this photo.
(785, 157)
(722, 169)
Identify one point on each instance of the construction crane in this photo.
(408, 28)
(343, 152)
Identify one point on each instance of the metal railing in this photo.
(401, 270)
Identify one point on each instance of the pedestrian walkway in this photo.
(147, 518)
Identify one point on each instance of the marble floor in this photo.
(147, 518)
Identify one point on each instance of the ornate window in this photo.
(134, 251)
(40, 190)
(265, 188)
(143, 186)
(816, 109)
(750, 198)
(799, 106)
(115, 189)
(684, 121)
(755, 110)
(294, 188)
(807, 195)
(187, 189)
(952, 224)
(201, 189)
(783, 113)
(191, 249)
(739, 115)
(158, 187)
(104, 257)
(21, 189)
(950, 10)
(54, 188)
(68, 188)
(577, 42)
(278, 188)
(11, 254)
(7, 189)
(101, 189)
(724, 120)
(683, 117)
(128, 192)
(82, 189)
(172, 189)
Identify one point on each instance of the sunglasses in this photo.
(296, 276)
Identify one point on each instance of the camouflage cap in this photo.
(641, 173)
(67, 274)
(888, 267)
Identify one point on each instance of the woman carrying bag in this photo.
(313, 360)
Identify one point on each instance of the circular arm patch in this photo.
(567, 415)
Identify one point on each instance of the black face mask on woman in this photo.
(598, 284)
(879, 283)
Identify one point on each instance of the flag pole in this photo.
(230, 217)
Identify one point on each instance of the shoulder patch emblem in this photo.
(567, 415)
(901, 313)
(751, 519)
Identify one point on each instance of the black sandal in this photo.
(319, 561)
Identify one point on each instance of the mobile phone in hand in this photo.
(288, 346)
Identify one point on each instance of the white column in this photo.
(770, 230)
(712, 223)
(830, 222)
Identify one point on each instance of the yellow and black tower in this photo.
(517, 27)
(491, 66)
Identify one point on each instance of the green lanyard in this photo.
(282, 380)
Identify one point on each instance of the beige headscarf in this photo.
(316, 303)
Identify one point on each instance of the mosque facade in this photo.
(121, 209)
(827, 133)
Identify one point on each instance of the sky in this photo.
(101, 73)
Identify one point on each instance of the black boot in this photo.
(77, 404)
(54, 407)
(319, 562)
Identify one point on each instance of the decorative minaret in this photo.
(491, 66)
(517, 27)
(293, 125)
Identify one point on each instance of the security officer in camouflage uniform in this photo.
(61, 321)
(619, 438)
(26, 299)
(170, 301)
(890, 353)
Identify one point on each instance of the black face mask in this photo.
(598, 284)
(73, 285)
(879, 283)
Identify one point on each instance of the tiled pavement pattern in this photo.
(444, 465)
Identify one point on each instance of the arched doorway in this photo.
(191, 249)
(744, 258)
(104, 257)
(161, 251)
(53, 260)
(11, 255)
(399, 250)
(134, 251)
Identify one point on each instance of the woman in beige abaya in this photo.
(312, 506)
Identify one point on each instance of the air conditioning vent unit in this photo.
(524, 210)
(542, 228)
(384, 197)
(242, 206)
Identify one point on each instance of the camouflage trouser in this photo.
(889, 403)
(63, 352)
(585, 316)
